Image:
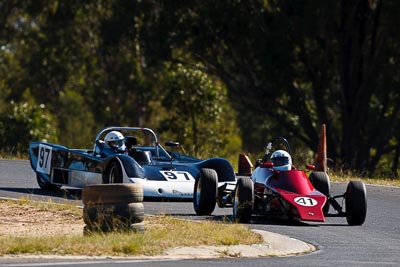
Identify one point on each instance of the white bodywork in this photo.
(166, 189)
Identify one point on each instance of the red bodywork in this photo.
(291, 191)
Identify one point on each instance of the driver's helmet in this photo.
(282, 160)
(116, 140)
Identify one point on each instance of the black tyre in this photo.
(356, 203)
(137, 228)
(321, 182)
(113, 174)
(243, 200)
(95, 229)
(113, 214)
(205, 192)
(112, 194)
(109, 207)
(44, 185)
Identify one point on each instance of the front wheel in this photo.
(321, 182)
(243, 200)
(356, 203)
(205, 192)
(113, 175)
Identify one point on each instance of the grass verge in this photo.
(58, 230)
(343, 177)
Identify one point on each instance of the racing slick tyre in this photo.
(46, 185)
(113, 174)
(321, 182)
(356, 203)
(205, 192)
(243, 200)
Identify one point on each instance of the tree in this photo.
(197, 112)
(22, 123)
(288, 67)
(295, 65)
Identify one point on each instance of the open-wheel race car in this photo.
(276, 189)
(125, 155)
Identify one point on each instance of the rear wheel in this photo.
(205, 192)
(356, 203)
(243, 200)
(321, 182)
(113, 175)
(44, 185)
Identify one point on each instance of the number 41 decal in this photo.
(44, 159)
(306, 201)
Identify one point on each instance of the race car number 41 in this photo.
(44, 159)
(306, 201)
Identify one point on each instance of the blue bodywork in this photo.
(58, 165)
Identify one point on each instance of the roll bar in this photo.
(157, 146)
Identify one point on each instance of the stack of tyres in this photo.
(113, 207)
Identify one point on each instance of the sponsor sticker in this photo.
(176, 192)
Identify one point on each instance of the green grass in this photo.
(345, 177)
(161, 233)
(11, 154)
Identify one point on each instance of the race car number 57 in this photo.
(44, 159)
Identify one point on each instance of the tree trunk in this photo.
(356, 66)
(395, 165)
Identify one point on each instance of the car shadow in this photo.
(260, 220)
(159, 199)
(64, 193)
(255, 220)
(286, 222)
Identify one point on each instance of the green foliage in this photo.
(25, 122)
(210, 74)
(75, 120)
(198, 114)
(292, 65)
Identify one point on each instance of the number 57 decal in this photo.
(44, 159)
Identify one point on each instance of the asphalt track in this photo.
(376, 243)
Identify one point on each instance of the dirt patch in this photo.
(18, 218)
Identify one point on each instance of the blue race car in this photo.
(126, 155)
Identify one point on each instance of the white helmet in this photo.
(115, 139)
(282, 160)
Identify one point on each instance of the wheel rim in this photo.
(111, 177)
(198, 193)
(235, 204)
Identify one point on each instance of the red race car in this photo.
(277, 188)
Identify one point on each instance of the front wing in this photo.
(305, 207)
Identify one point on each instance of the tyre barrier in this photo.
(113, 207)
